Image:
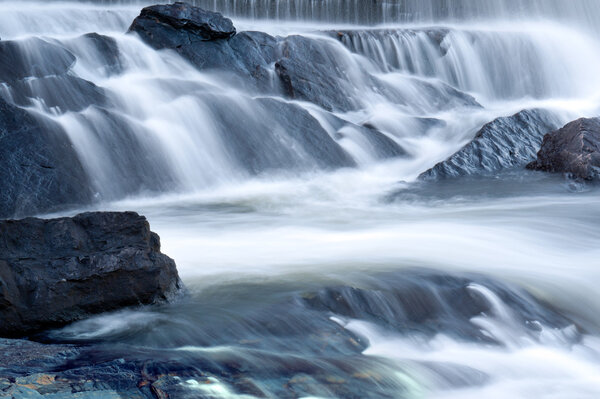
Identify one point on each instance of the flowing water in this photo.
(256, 243)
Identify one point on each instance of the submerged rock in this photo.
(20, 59)
(573, 149)
(424, 302)
(40, 169)
(62, 93)
(53, 272)
(501, 144)
(98, 51)
(279, 340)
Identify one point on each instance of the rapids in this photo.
(254, 240)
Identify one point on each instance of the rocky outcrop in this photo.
(573, 149)
(314, 69)
(504, 143)
(40, 169)
(53, 272)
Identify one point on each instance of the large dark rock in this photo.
(208, 41)
(169, 24)
(39, 169)
(504, 143)
(53, 272)
(573, 149)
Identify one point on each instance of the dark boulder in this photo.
(53, 272)
(573, 149)
(504, 143)
(209, 42)
(39, 169)
(169, 25)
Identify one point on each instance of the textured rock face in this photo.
(40, 170)
(573, 149)
(501, 144)
(53, 272)
(181, 21)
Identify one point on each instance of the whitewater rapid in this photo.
(306, 226)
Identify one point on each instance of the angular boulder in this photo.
(504, 143)
(573, 149)
(56, 271)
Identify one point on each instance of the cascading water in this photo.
(267, 202)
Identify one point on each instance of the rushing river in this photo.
(260, 248)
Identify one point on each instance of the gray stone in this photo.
(504, 143)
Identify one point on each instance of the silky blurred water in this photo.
(227, 228)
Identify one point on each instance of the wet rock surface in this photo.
(40, 169)
(186, 22)
(504, 143)
(32, 58)
(100, 51)
(574, 149)
(298, 67)
(56, 271)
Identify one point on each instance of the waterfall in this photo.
(153, 123)
(318, 262)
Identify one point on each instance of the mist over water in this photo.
(166, 143)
